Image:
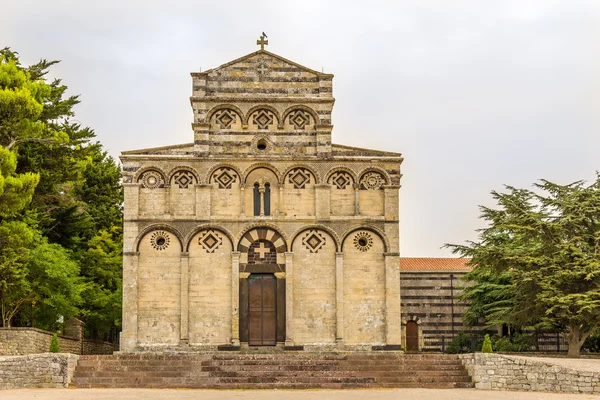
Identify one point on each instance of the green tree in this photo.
(487, 344)
(541, 254)
(54, 346)
(71, 209)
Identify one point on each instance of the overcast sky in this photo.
(475, 94)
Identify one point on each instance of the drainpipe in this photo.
(452, 302)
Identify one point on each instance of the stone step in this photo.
(244, 371)
(328, 385)
(272, 373)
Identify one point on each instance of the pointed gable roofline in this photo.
(312, 71)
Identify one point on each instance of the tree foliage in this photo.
(60, 207)
(537, 263)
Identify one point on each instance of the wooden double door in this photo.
(262, 310)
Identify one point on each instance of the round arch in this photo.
(245, 235)
(157, 227)
(382, 171)
(340, 169)
(222, 165)
(235, 109)
(140, 172)
(376, 231)
(309, 110)
(182, 168)
(329, 231)
(311, 169)
(263, 165)
(263, 107)
(190, 236)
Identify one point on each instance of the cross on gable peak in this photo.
(262, 42)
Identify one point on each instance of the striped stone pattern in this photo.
(428, 298)
(283, 86)
(277, 76)
(264, 234)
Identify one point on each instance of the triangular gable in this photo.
(177, 149)
(341, 150)
(259, 53)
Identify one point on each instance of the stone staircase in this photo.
(289, 370)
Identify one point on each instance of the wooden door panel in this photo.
(412, 336)
(262, 310)
(269, 317)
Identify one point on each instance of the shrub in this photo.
(487, 344)
(54, 346)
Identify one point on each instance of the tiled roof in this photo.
(434, 264)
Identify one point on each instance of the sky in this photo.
(474, 94)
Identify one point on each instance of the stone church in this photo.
(261, 232)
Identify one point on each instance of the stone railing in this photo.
(47, 370)
(505, 372)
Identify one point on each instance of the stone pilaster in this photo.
(356, 187)
(390, 202)
(168, 211)
(131, 193)
(203, 201)
(129, 335)
(235, 298)
(392, 299)
(185, 296)
(289, 299)
(339, 297)
(323, 201)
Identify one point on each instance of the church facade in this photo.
(261, 232)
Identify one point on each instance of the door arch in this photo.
(412, 336)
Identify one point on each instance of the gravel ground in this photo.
(391, 394)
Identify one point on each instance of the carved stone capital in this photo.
(280, 275)
(244, 275)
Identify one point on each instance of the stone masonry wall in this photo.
(48, 370)
(502, 372)
(19, 341)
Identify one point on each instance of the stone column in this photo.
(235, 298)
(203, 201)
(242, 199)
(339, 298)
(261, 190)
(392, 299)
(129, 336)
(289, 299)
(185, 295)
(281, 210)
(356, 205)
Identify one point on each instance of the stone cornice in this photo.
(261, 100)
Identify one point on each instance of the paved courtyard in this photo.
(395, 394)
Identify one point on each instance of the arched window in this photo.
(267, 199)
(256, 200)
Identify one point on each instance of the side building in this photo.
(431, 309)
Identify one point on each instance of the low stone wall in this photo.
(99, 347)
(20, 341)
(47, 370)
(504, 372)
